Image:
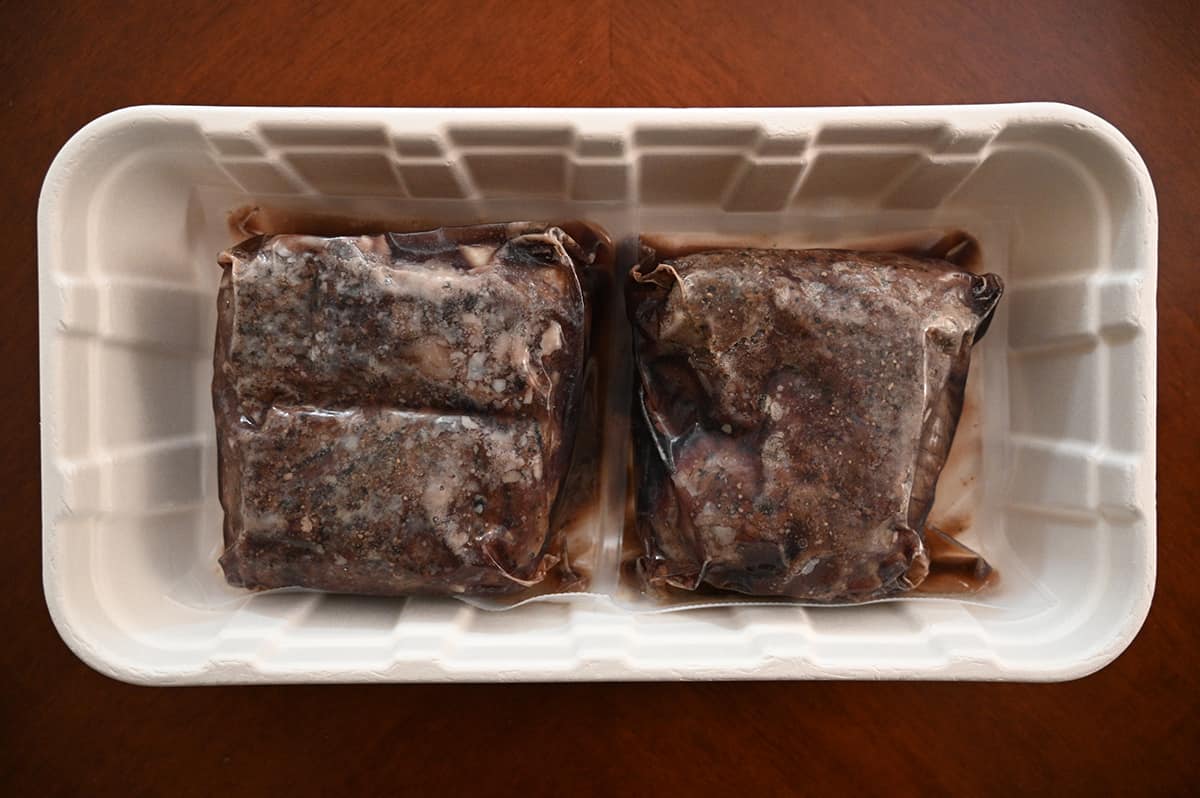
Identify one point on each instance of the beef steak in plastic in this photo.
(794, 409)
(396, 413)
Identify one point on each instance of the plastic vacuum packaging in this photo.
(397, 413)
(793, 411)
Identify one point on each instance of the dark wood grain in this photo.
(67, 730)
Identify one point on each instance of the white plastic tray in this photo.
(129, 226)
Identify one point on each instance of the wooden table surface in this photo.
(65, 729)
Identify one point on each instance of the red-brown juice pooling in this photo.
(793, 412)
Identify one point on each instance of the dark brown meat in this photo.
(795, 410)
(395, 413)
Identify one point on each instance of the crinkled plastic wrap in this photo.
(793, 411)
(397, 414)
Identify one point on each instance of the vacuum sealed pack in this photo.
(397, 414)
(793, 411)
